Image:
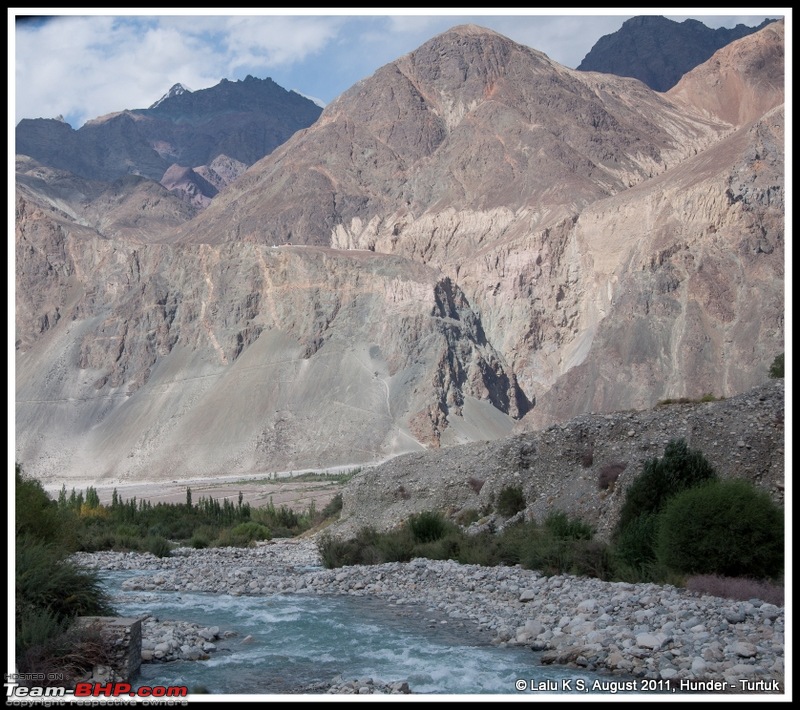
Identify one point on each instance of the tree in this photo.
(776, 368)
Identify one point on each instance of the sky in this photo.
(89, 62)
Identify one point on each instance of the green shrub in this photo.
(510, 501)
(244, 535)
(251, 531)
(199, 542)
(35, 627)
(548, 555)
(158, 546)
(395, 546)
(562, 527)
(592, 558)
(49, 584)
(680, 468)
(427, 526)
(283, 518)
(333, 551)
(727, 528)
(481, 549)
(635, 544)
(776, 368)
(333, 508)
(36, 513)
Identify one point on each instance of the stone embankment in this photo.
(633, 630)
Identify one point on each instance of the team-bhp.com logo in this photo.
(95, 690)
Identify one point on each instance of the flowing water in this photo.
(297, 640)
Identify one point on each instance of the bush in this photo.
(427, 526)
(64, 658)
(609, 473)
(158, 546)
(334, 507)
(592, 558)
(680, 468)
(36, 513)
(510, 501)
(199, 542)
(635, 544)
(562, 527)
(776, 368)
(51, 590)
(727, 528)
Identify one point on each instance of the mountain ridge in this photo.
(659, 51)
(472, 239)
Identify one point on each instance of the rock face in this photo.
(658, 51)
(239, 357)
(473, 236)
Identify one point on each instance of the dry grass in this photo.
(739, 588)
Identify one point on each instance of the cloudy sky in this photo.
(92, 62)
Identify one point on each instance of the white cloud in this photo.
(274, 41)
(87, 66)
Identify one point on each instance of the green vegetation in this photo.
(776, 368)
(510, 501)
(679, 469)
(707, 397)
(144, 527)
(560, 544)
(676, 520)
(50, 590)
(724, 528)
(339, 477)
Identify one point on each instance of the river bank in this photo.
(660, 635)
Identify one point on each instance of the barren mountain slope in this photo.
(741, 81)
(475, 230)
(469, 121)
(156, 361)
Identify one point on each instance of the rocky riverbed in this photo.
(642, 631)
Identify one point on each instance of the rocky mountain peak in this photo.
(659, 51)
(175, 90)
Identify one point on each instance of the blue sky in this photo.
(92, 62)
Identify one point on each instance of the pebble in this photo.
(641, 630)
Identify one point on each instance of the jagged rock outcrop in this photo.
(659, 51)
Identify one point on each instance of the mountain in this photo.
(473, 241)
(175, 90)
(658, 51)
(242, 120)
